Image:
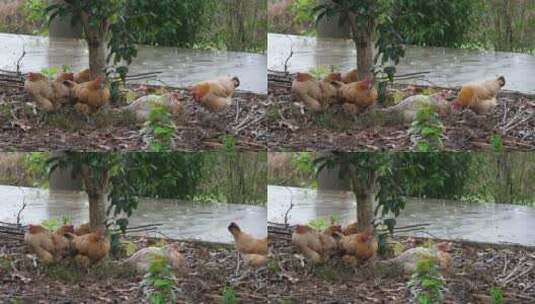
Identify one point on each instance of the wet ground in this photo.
(448, 67)
(181, 220)
(180, 67)
(492, 223)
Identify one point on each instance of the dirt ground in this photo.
(293, 128)
(24, 128)
(209, 268)
(475, 269)
(287, 278)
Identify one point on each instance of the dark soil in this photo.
(209, 268)
(475, 270)
(24, 128)
(293, 128)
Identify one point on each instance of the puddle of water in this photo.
(180, 220)
(449, 67)
(181, 67)
(496, 223)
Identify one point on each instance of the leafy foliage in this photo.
(496, 142)
(434, 22)
(235, 177)
(54, 223)
(167, 22)
(429, 129)
(300, 9)
(292, 169)
(370, 172)
(52, 71)
(192, 24)
(496, 295)
(229, 296)
(426, 282)
(163, 175)
(33, 10)
(436, 175)
(34, 164)
(318, 224)
(367, 19)
(99, 18)
(159, 129)
(97, 171)
(158, 284)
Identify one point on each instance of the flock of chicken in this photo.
(89, 94)
(50, 95)
(357, 96)
(53, 246)
(89, 247)
(354, 246)
(358, 247)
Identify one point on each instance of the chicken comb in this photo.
(302, 228)
(334, 76)
(33, 76)
(35, 228)
(303, 77)
(67, 228)
(65, 76)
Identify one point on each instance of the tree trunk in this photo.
(97, 192)
(97, 58)
(97, 210)
(96, 43)
(363, 39)
(365, 193)
(364, 57)
(365, 206)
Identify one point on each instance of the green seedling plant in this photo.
(159, 129)
(318, 224)
(496, 295)
(54, 223)
(428, 128)
(321, 224)
(158, 284)
(496, 142)
(319, 72)
(229, 296)
(426, 283)
(51, 72)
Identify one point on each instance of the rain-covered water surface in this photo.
(180, 220)
(493, 223)
(448, 67)
(180, 67)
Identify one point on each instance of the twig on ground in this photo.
(21, 210)
(19, 61)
